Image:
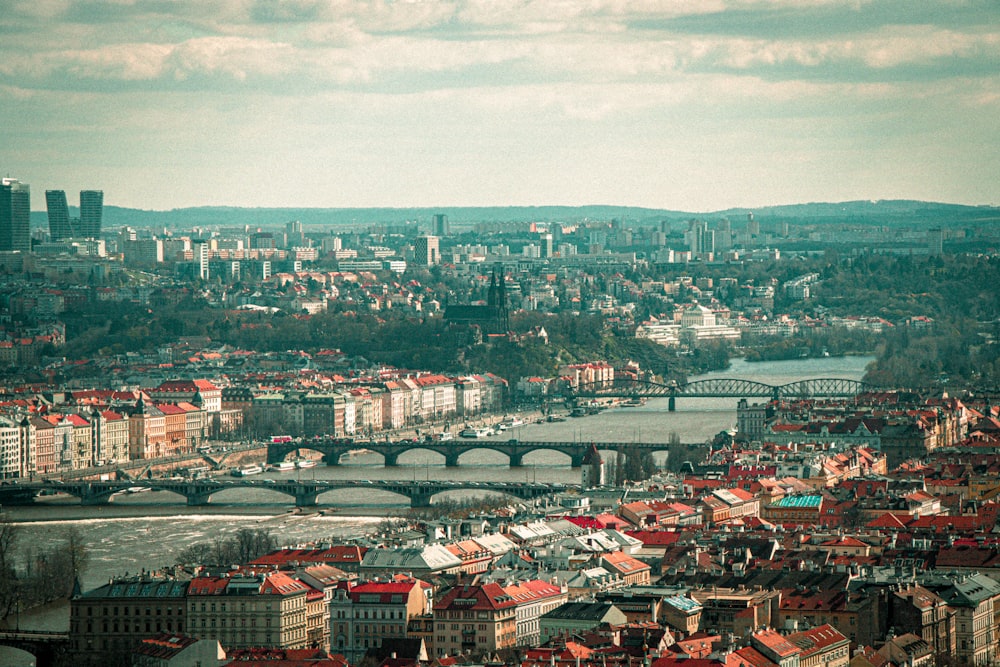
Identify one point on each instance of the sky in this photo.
(694, 105)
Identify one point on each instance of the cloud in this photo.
(186, 81)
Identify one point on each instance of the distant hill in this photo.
(883, 212)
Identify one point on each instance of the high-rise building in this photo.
(546, 245)
(723, 235)
(60, 226)
(294, 236)
(700, 238)
(441, 226)
(426, 250)
(15, 215)
(935, 241)
(87, 226)
(91, 213)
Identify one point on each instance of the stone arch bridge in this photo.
(304, 492)
(452, 450)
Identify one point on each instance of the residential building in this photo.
(534, 599)
(577, 617)
(177, 650)
(426, 250)
(363, 614)
(475, 619)
(10, 449)
(243, 611)
(115, 616)
(976, 601)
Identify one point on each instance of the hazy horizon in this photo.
(665, 104)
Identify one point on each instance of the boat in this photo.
(472, 432)
(283, 466)
(246, 471)
(305, 463)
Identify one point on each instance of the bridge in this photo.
(452, 450)
(722, 388)
(49, 648)
(304, 493)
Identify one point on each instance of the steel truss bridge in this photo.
(305, 493)
(722, 388)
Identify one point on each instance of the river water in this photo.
(148, 530)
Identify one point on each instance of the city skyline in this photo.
(684, 106)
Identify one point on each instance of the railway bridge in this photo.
(721, 388)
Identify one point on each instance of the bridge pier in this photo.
(306, 499)
(198, 499)
(576, 460)
(391, 460)
(671, 404)
(450, 461)
(90, 496)
(332, 459)
(421, 499)
(517, 460)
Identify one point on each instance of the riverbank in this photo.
(76, 512)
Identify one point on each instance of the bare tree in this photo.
(8, 575)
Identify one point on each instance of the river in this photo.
(141, 531)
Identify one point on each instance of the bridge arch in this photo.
(456, 453)
(260, 492)
(403, 457)
(337, 494)
(145, 498)
(527, 450)
(46, 647)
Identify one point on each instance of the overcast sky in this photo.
(694, 105)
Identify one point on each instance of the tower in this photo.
(294, 236)
(15, 215)
(59, 222)
(496, 300)
(426, 250)
(91, 213)
(546, 245)
(201, 256)
(700, 238)
(440, 225)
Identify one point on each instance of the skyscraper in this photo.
(294, 236)
(59, 222)
(546, 245)
(15, 215)
(700, 238)
(441, 226)
(426, 250)
(91, 213)
(87, 226)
